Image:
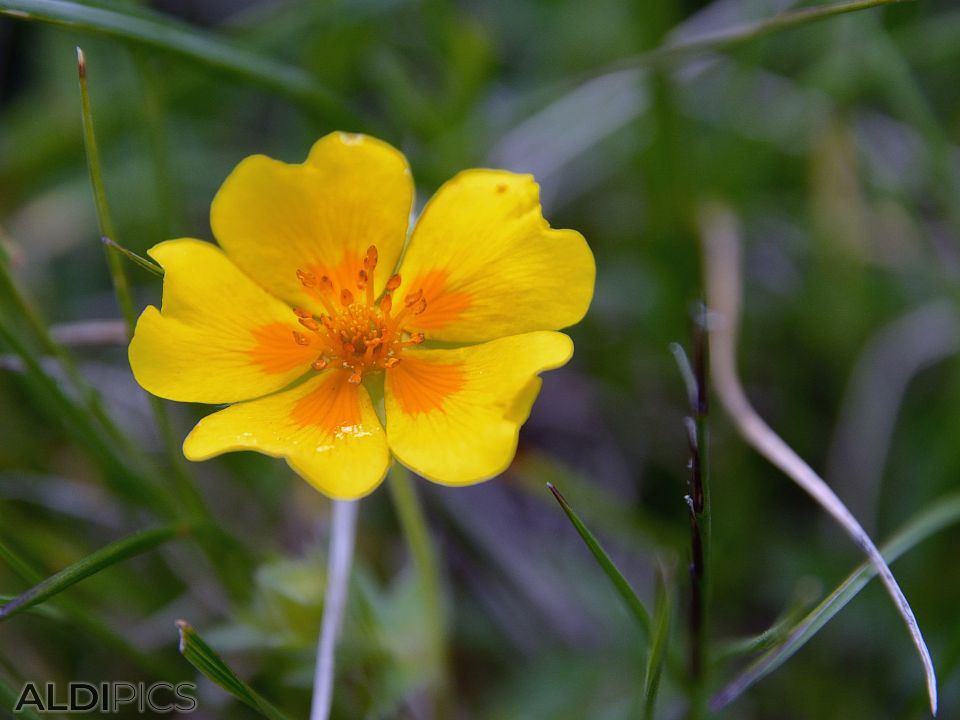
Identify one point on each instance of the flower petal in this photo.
(273, 218)
(219, 336)
(326, 428)
(454, 415)
(490, 265)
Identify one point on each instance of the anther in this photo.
(386, 304)
(327, 322)
(310, 324)
(391, 362)
(412, 298)
(362, 279)
(308, 279)
(300, 338)
(370, 260)
(393, 283)
(416, 338)
(326, 284)
(419, 306)
(300, 312)
(346, 297)
(319, 364)
(356, 377)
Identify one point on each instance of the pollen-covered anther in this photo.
(307, 279)
(358, 334)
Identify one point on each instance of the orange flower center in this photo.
(358, 332)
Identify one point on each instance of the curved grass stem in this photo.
(722, 273)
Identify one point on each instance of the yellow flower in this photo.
(301, 321)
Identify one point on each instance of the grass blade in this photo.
(90, 565)
(658, 645)
(942, 514)
(207, 661)
(154, 31)
(623, 587)
(138, 260)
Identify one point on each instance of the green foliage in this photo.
(830, 130)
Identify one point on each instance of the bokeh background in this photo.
(834, 143)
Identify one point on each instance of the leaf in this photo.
(623, 587)
(152, 30)
(658, 645)
(90, 565)
(942, 514)
(207, 661)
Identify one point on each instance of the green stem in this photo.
(414, 524)
(186, 488)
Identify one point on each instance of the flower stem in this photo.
(339, 561)
(412, 520)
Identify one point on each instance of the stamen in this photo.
(359, 333)
(370, 260)
(308, 279)
(419, 306)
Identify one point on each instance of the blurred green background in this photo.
(837, 144)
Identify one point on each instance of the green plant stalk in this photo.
(90, 565)
(138, 260)
(154, 31)
(941, 514)
(188, 493)
(196, 651)
(78, 617)
(658, 646)
(414, 524)
(620, 583)
(700, 507)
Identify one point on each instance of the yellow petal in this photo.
(219, 336)
(273, 218)
(326, 428)
(490, 265)
(454, 415)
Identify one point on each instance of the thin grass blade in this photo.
(941, 515)
(205, 659)
(658, 645)
(138, 260)
(153, 30)
(90, 565)
(629, 595)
